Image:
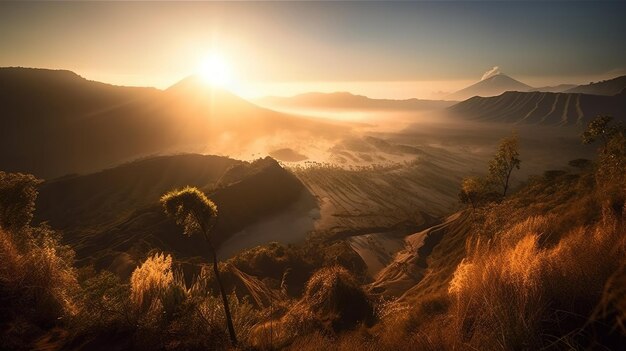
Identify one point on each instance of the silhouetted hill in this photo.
(492, 86)
(540, 108)
(555, 89)
(345, 100)
(113, 218)
(606, 87)
(55, 122)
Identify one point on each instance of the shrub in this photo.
(335, 298)
(37, 286)
(18, 193)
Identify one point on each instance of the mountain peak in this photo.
(193, 82)
(492, 86)
(195, 86)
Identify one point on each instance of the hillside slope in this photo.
(113, 218)
(606, 87)
(420, 259)
(540, 108)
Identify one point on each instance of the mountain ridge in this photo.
(347, 100)
(608, 87)
(53, 122)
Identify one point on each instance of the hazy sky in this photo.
(384, 49)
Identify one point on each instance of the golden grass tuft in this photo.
(37, 282)
(151, 280)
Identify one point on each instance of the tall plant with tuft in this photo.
(192, 210)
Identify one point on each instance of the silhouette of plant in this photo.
(192, 210)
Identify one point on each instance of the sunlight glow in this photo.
(217, 71)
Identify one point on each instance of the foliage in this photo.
(475, 191)
(599, 128)
(18, 193)
(38, 282)
(333, 298)
(105, 304)
(504, 162)
(611, 167)
(191, 209)
(149, 282)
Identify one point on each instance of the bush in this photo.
(335, 298)
(18, 193)
(37, 285)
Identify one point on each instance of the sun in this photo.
(216, 71)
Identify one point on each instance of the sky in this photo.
(379, 49)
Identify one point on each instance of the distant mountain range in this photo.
(54, 122)
(555, 89)
(501, 83)
(345, 100)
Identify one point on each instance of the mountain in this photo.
(606, 87)
(55, 122)
(113, 218)
(345, 100)
(492, 86)
(555, 89)
(540, 108)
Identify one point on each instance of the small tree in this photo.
(612, 153)
(191, 209)
(600, 128)
(504, 162)
(473, 191)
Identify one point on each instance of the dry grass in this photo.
(171, 315)
(39, 278)
(333, 302)
(38, 286)
(496, 290)
(510, 290)
(150, 281)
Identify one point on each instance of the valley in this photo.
(364, 179)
